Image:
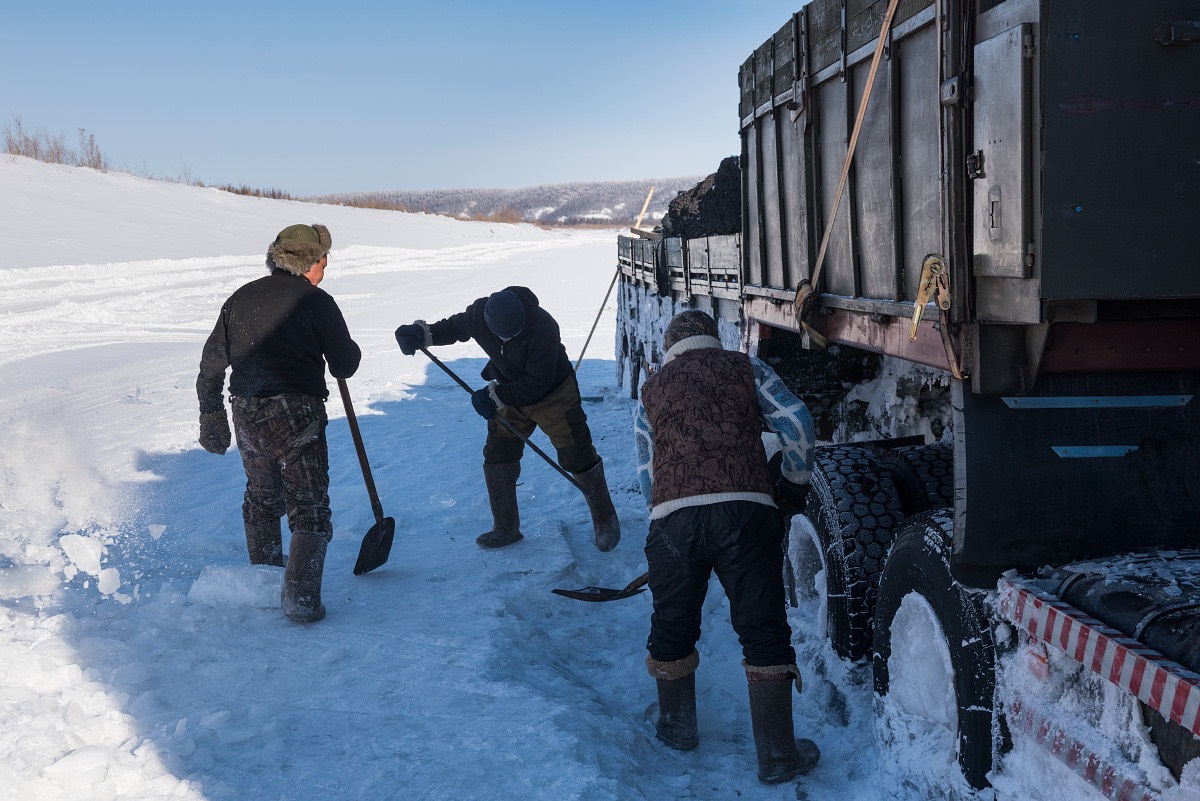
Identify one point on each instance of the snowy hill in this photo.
(615, 203)
(141, 658)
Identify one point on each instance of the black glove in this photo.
(410, 338)
(214, 432)
(790, 497)
(481, 399)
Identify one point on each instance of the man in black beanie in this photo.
(531, 384)
(277, 333)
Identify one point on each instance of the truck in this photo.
(968, 239)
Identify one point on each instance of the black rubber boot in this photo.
(675, 723)
(301, 597)
(604, 516)
(501, 482)
(675, 718)
(264, 542)
(780, 755)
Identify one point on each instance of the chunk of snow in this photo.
(110, 580)
(81, 767)
(23, 581)
(251, 586)
(84, 552)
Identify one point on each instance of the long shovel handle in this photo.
(376, 507)
(503, 420)
(596, 322)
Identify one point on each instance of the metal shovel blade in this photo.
(376, 546)
(600, 594)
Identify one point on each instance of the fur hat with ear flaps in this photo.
(298, 248)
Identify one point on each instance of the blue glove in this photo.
(410, 338)
(485, 407)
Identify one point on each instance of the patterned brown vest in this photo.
(703, 408)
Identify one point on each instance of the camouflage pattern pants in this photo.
(282, 441)
(560, 414)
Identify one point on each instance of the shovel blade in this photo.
(599, 594)
(376, 546)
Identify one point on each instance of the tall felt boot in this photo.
(604, 516)
(264, 542)
(675, 718)
(301, 597)
(780, 755)
(501, 482)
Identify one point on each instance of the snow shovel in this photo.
(503, 421)
(599, 594)
(377, 543)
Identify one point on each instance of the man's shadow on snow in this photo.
(230, 695)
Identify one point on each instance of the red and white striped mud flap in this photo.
(1114, 779)
(1158, 682)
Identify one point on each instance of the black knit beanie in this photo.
(504, 314)
(691, 323)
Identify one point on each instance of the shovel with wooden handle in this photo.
(377, 543)
(499, 418)
(601, 594)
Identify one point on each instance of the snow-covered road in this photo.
(140, 658)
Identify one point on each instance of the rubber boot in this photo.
(675, 718)
(780, 755)
(501, 482)
(675, 723)
(264, 542)
(301, 597)
(604, 516)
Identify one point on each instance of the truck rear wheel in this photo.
(934, 661)
(924, 476)
(856, 513)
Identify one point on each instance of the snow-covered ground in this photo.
(141, 658)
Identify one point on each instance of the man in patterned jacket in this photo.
(703, 471)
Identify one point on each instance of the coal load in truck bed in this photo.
(712, 207)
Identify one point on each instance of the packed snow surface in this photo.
(142, 658)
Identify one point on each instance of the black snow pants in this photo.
(743, 542)
(282, 442)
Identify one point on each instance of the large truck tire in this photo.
(944, 632)
(924, 476)
(855, 513)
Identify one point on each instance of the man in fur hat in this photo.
(531, 383)
(703, 472)
(277, 333)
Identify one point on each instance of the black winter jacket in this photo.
(528, 366)
(276, 333)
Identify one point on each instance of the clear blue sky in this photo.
(355, 96)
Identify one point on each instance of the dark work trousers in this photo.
(282, 441)
(743, 542)
(560, 414)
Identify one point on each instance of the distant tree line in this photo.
(580, 203)
(605, 203)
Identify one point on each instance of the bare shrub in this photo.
(89, 155)
(52, 148)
